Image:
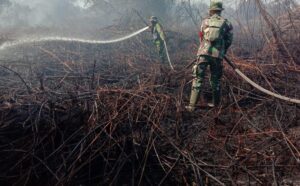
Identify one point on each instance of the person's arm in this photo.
(228, 35)
(201, 36)
(161, 32)
(201, 32)
(204, 26)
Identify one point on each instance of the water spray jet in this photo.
(10, 44)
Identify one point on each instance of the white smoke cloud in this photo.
(72, 17)
(84, 4)
(37, 13)
(26, 18)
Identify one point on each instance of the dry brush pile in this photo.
(75, 114)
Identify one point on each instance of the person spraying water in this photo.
(159, 39)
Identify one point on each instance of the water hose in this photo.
(168, 56)
(258, 87)
(26, 41)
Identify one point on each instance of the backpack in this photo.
(214, 31)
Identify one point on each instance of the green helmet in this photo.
(153, 19)
(216, 5)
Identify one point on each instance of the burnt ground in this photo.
(80, 114)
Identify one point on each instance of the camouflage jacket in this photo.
(219, 47)
(158, 32)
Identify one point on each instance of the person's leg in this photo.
(161, 50)
(216, 69)
(198, 75)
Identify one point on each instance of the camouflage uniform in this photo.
(211, 54)
(158, 39)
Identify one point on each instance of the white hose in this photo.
(168, 56)
(297, 101)
(25, 41)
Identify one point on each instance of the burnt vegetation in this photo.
(82, 114)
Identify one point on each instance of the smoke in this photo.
(72, 17)
(21, 18)
(36, 13)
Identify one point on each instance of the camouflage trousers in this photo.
(199, 71)
(160, 47)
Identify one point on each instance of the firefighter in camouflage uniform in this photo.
(215, 39)
(158, 37)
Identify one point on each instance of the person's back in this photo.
(215, 39)
(216, 36)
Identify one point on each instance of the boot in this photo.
(193, 100)
(216, 98)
